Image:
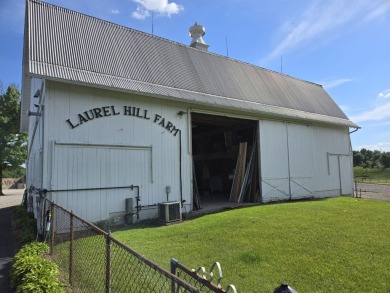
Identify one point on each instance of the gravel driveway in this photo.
(374, 191)
(11, 197)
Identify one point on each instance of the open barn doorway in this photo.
(225, 160)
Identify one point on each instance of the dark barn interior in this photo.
(215, 147)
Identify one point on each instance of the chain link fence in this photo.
(91, 260)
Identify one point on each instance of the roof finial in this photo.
(197, 32)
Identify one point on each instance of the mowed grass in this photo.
(332, 245)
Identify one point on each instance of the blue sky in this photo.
(342, 45)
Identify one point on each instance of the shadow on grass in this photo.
(155, 223)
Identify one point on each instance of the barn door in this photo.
(286, 161)
(96, 166)
(274, 161)
(300, 150)
(340, 173)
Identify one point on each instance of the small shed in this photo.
(121, 121)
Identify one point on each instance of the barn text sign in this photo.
(106, 111)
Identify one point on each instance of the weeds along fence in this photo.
(91, 260)
(371, 180)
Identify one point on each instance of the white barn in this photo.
(113, 113)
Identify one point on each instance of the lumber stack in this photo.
(239, 172)
(246, 176)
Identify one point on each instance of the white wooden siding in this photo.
(274, 161)
(296, 160)
(96, 166)
(299, 161)
(346, 175)
(330, 144)
(35, 142)
(301, 156)
(121, 131)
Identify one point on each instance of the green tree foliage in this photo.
(17, 172)
(358, 158)
(371, 159)
(385, 160)
(13, 143)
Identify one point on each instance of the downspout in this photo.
(351, 153)
(43, 142)
(288, 164)
(181, 179)
(356, 129)
(41, 196)
(260, 178)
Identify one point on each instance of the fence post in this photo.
(71, 250)
(108, 263)
(53, 225)
(173, 271)
(356, 191)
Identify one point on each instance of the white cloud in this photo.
(381, 146)
(378, 113)
(140, 13)
(379, 10)
(161, 7)
(384, 94)
(336, 82)
(328, 17)
(115, 11)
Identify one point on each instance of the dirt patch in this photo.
(373, 191)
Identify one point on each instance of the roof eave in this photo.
(194, 98)
(26, 79)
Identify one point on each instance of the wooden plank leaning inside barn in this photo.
(239, 172)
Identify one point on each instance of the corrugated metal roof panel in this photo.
(66, 45)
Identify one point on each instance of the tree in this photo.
(358, 158)
(385, 160)
(13, 143)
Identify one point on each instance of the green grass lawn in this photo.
(332, 245)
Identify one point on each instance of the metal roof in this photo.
(64, 45)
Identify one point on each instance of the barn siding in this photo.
(138, 151)
(100, 166)
(299, 161)
(274, 161)
(331, 144)
(34, 165)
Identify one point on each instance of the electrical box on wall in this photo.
(169, 212)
